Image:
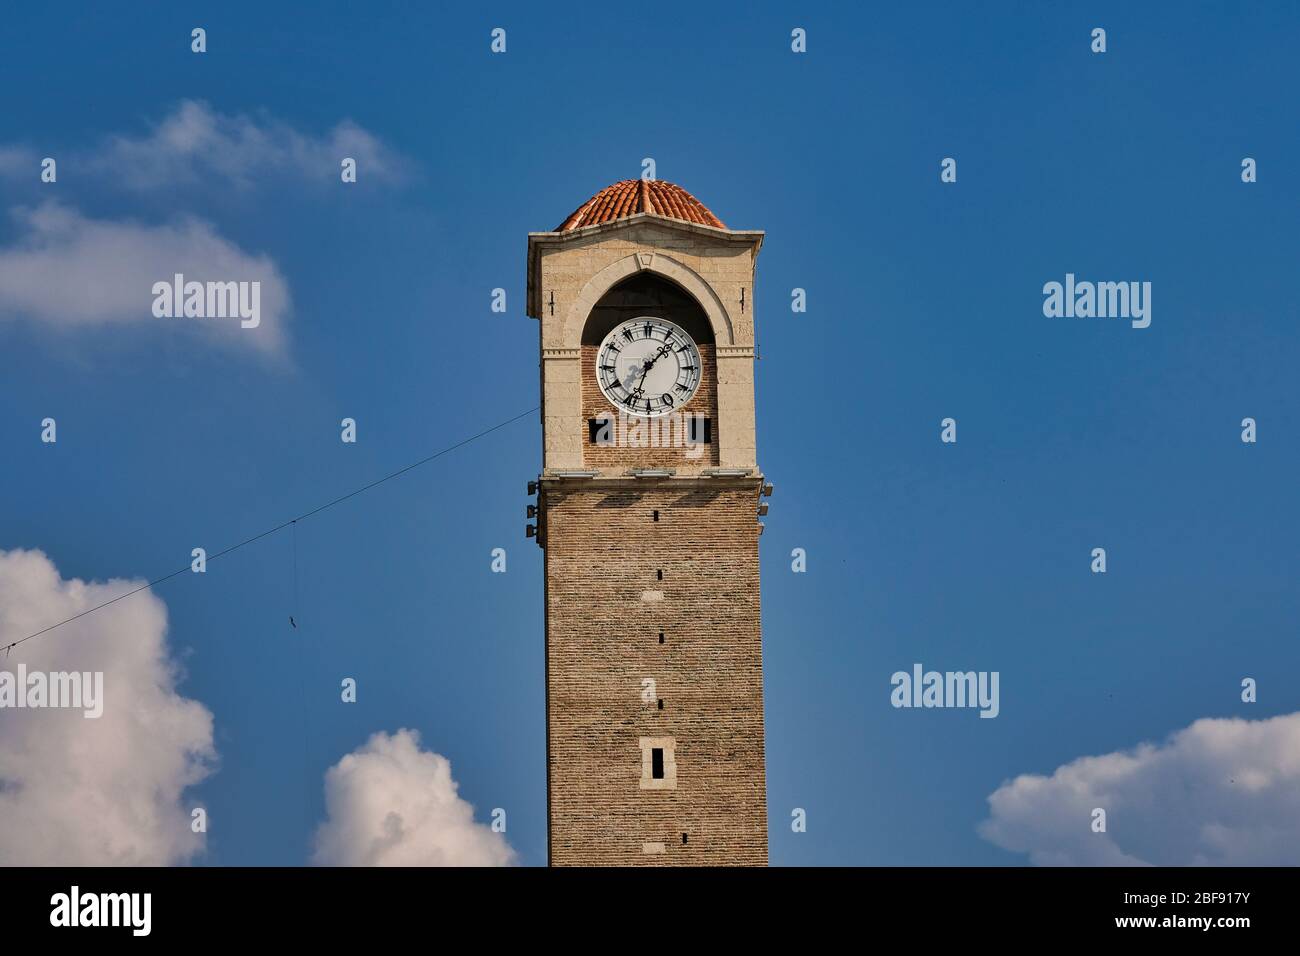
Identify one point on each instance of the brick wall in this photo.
(605, 609)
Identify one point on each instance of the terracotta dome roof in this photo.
(632, 196)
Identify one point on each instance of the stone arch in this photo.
(660, 264)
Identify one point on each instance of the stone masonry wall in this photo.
(605, 609)
(728, 271)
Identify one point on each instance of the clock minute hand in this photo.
(663, 350)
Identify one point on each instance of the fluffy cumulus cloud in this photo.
(68, 271)
(1219, 792)
(390, 803)
(96, 791)
(197, 145)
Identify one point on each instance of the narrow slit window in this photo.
(658, 763)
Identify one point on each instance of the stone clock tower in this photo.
(648, 510)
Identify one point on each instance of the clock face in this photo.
(648, 367)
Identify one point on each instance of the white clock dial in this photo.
(648, 367)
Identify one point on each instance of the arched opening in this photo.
(647, 293)
(686, 437)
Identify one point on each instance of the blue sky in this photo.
(924, 302)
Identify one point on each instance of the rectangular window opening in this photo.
(658, 763)
(600, 431)
(699, 430)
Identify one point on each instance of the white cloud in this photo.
(105, 791)
(197, 145)
(1222, 792)
(389, 803)
(66, 270)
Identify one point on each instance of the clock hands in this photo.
(635, 380)
(662, 351)
(646, 366)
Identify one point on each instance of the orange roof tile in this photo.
(632, 196)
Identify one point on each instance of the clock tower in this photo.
(647, 510)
